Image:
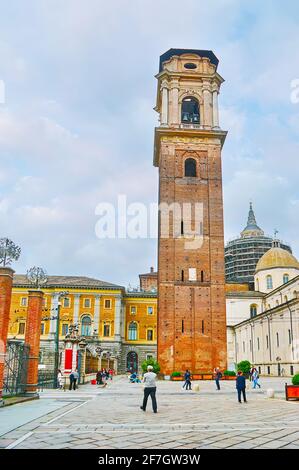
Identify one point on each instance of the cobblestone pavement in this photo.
(110, 418)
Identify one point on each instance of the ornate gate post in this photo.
(6, 278)
(32, 338)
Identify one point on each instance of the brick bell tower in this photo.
(187, 151)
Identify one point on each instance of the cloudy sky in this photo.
(76, 127)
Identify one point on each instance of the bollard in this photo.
(270, 393)
(196, 388)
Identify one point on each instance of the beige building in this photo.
(263, 325)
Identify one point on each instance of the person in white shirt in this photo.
(150, 388)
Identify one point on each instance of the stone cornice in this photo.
(185, 133)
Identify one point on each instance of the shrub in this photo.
(229, 373)
(176, 374)
(244, 366)
(295, 379)
(151, 362)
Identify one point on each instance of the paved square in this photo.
(110, 418)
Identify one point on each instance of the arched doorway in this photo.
(132, 361)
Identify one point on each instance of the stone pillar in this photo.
(117, 318)
(76, 308)
(207, 106)
(6, 278)
(97, 313)
(53, 313)
(32, 338)
(215, 110)
(164, 112)
(174, 104)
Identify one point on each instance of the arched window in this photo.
(285, 278)
(257, 284)
(86, 326)
(295, 294)
(190, 111)
(269, 282)
(132, 331)
(253, 310)
(190, 167)
(285, 298)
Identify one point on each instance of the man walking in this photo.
(74, 376)
(150, 388)
(241, 386)
(218, 376)
(187, 378)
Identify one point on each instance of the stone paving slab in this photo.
(111, 418)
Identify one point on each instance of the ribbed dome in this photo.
(277, 257)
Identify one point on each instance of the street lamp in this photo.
(61, 295)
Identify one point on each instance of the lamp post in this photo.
(61, 295)
(99, 353)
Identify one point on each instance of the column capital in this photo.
(6, 271)
(35, 293)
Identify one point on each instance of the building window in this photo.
(23, 302)
(150, 310)
(250, 345)
(260, 370)
(86, 326)
(267, 341)
(190, 167)
(285, 278)
(87, 303)
(106, 331)
(64, 329)
(285, 298)
(21, 328)
(149, 356)
(133, 331)
(277, 340)
(290, 337)
(107, 303)
(253, 311)
(258, 344)
(269, 370)
(42, 329)
(190, 111)
(150, 335)
(269, 282)
(292, 370)
(66, 302)
(243, 346)
(133, 310)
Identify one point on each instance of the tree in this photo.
(244, 366)
(151, 362)
(8, 251)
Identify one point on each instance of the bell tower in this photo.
(187, 151)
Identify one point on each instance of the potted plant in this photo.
(244, 366)
(229, 375)
(176, 376)
(292, 391)
(207, 376)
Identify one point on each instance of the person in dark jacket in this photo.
(241, 386)
(218, 377)
(187, 378)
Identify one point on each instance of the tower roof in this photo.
(251, 229)
(201, 53)
(277, 257)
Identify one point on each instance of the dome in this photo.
(277, 257)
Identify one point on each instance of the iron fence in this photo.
(15, 368)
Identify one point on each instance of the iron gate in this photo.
(15, 368)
